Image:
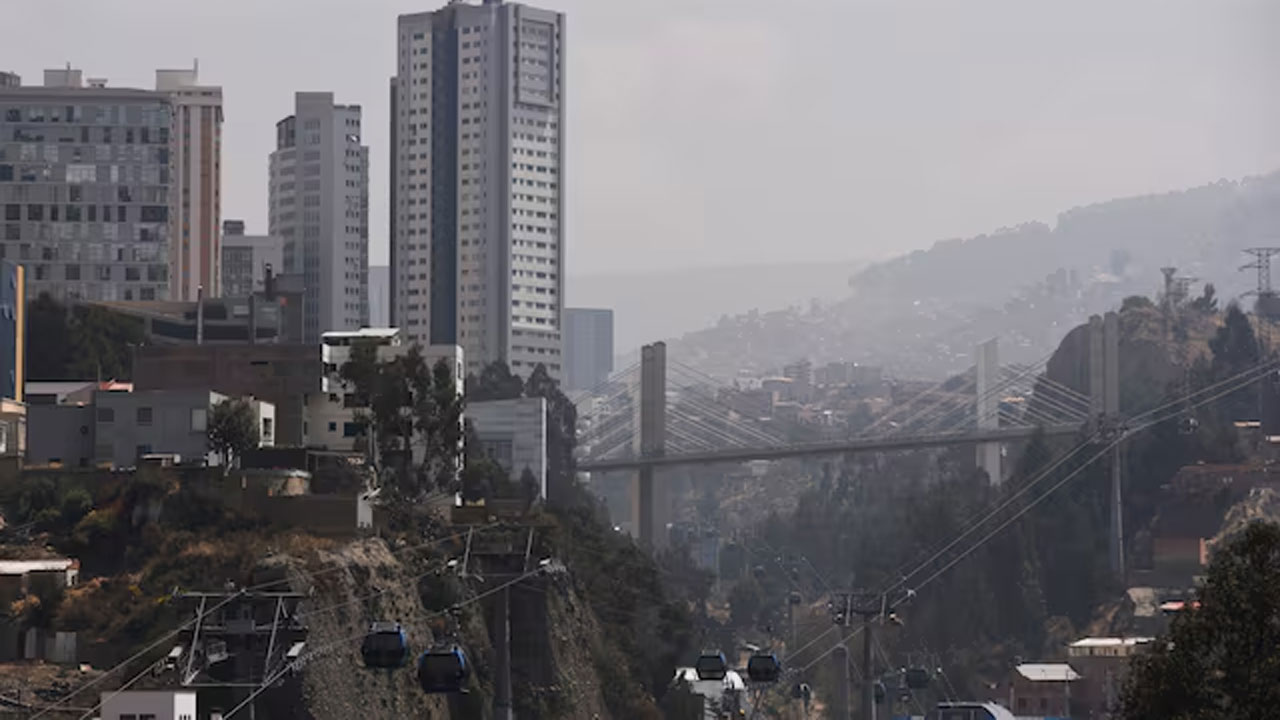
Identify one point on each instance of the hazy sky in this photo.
(707, 132)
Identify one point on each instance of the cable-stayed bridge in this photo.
(663, 413)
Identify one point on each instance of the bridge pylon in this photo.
(650, 505)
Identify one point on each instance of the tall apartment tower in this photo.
(588, 347)
(477, 179)
(85, 187)
(319, 206)
(195, 254)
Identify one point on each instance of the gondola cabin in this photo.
(764, 668)
(385, 647)
(443, 670)
(917, 678)
(711, 666)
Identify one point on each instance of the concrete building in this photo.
(588, 347)
(477, 182)
(247, 259)
(197, 173)
(129, 425)
(319, 206)
(379, 296)
(13, 334)
(148, 704)
(283, 375)
(1042, 690)
(1103, 663)
(257, 318)
(514, 434)
(86, 191)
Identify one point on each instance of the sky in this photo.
(712, 133)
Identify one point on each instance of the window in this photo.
(199, 419)
(350, 429)
(333, 427)
(106, 414)
(144, 416)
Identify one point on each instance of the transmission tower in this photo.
(1266, 297)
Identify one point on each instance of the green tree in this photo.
(495, 383)
(1208, 301)
(406, 406)
(1235, 350)
(85, 341)
(233, 429)
(1221, 661)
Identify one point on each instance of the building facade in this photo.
(154, 704)
(86, 187)
(477, 181)
(319, 202)
(513, 433)
(129, 425)
(197, 173)
(283, 375)
(588, 347)
(246, 260)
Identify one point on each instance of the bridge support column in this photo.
(986, 369)
(650, 507)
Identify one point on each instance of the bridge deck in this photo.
(835, 447)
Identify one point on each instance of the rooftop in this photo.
(22, 567)
(1110, 642)
(1048, 672)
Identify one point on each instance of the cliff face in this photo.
(554, 637)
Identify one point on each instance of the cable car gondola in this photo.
(917, 678)
(764, 668)
(1188, 425)
(385, 647)
(712, 666)
(443, 670)
(879, 692)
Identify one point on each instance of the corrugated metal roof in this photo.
(1048, 672)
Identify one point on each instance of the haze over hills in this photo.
(650, 306)
(920, 314)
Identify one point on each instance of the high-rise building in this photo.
(588, 347)
(379, 294)
(85, 187)
(477, 180)
(246, 259)
(319, 207)
(194, 256)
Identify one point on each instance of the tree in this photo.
(406, 406)
(1235, 350)
(233, 429)
(1221, 661)
(85, 341)
(1208, 302)
(495, 383)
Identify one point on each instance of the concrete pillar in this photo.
(502, 653)
(986, 362)
(650, 498)
(840, 706)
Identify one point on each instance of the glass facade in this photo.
(85, 191)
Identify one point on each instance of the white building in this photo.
(149, 705)
(331, 412)
(319, 206)
(197, 183)
(513, 433)
(245, 259)
(477, 179)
